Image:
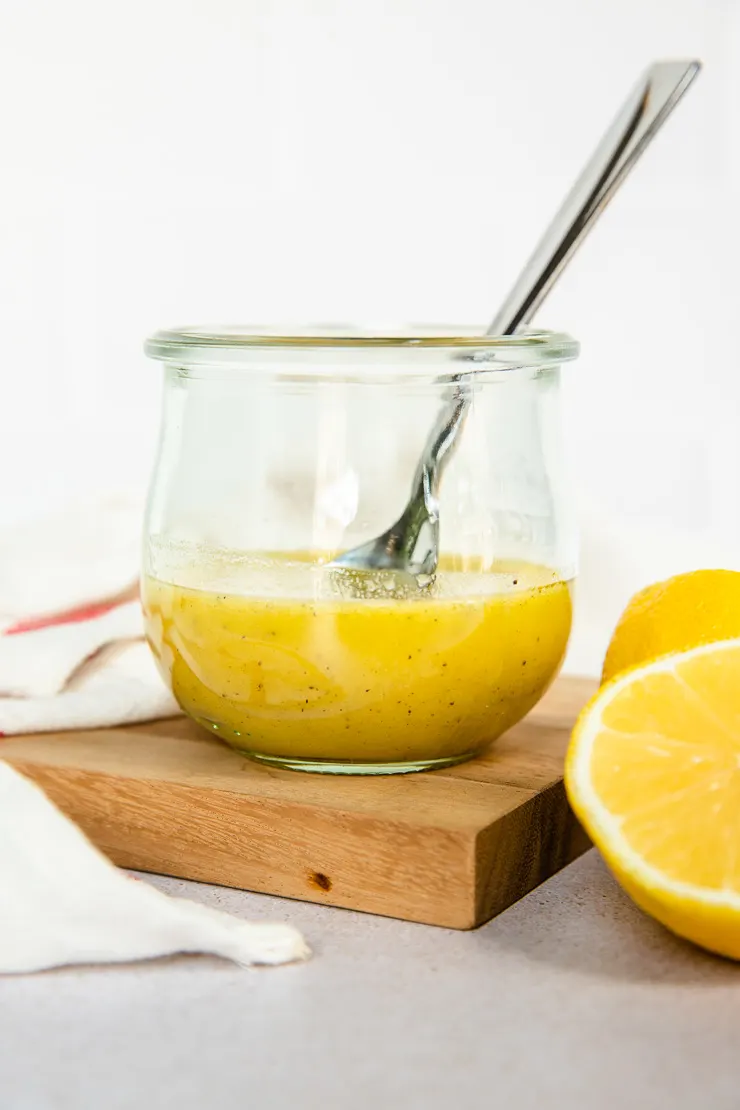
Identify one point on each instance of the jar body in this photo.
(266, 472)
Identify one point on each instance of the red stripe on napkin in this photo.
(72, 616)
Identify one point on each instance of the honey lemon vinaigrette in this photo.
(282, 659)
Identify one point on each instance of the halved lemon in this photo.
(653, 773)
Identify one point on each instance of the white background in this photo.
(182, 161)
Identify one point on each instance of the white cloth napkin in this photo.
(62, 902)
(72, 650)
(72, 655)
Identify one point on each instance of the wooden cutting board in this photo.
(451, 847)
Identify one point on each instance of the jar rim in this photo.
(205, 344)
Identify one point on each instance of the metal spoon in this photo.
(411, 545)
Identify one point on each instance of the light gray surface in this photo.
(570, 999)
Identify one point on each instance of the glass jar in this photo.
(280, 449)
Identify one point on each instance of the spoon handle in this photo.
(641, 117)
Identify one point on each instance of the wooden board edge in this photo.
(442, 855)
(541, 837)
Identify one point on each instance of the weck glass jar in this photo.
(280, 449)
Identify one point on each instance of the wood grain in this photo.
(452, 847)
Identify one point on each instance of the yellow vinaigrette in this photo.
(283, 661)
